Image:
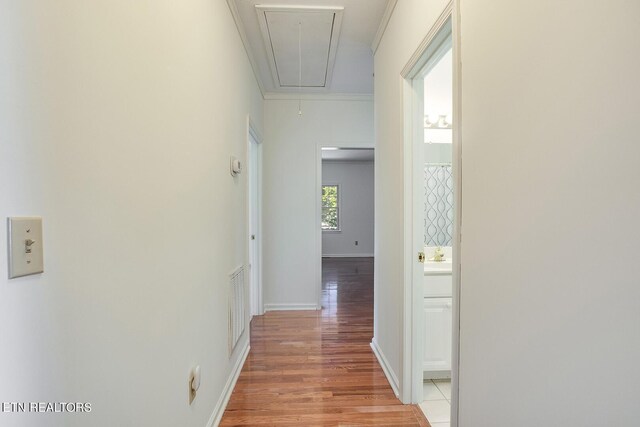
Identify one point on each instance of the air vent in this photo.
(237, 311)
(316, 28)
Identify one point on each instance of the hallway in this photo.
(316, 368)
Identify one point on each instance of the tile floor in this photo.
(437, 402)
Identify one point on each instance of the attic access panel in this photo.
(319, 30)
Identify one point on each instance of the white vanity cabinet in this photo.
(437, 337)
(437, 328)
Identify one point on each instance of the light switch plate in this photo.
(25, 246)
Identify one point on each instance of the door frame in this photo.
(318, 220)
(256, 302)
(413, 107)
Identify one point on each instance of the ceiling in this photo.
(349, 154)
(334, 37)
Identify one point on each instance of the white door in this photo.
(254, 227)
(437, 335)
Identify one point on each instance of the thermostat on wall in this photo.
(235, 166)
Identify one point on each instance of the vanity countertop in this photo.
(432, 268)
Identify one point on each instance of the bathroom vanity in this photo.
(437, 298)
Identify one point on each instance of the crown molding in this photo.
(391, 4)
(245, 42)
(280, 96)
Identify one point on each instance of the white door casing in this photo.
(254, 220)
(414, 309)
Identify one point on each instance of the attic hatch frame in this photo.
(337, 11)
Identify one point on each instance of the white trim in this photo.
(318, 222)
(386, 368)
(276, 96)
(411, 338)
(457, 229)
(253, 130)
(245, 42)
(388, 11)
(347, 255)
(221, 405)
(318, 225)
(254, 133)
(284, 307)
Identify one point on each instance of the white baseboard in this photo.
(218, 411)
(282, 307)
(347, 255)
(388, 372)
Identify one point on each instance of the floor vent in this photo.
(237, 313)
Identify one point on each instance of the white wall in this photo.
(438, 153)
(290, 184)
(550, 277)
(355, 180)
(410, 22)
(550, 272)
(118, 119)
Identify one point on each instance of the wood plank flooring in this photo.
(315, 368)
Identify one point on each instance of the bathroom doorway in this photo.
(432, 232)
(437, 235)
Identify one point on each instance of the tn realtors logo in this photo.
(50, 407)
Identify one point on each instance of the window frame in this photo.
(338, 209)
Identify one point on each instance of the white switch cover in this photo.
(25, 246)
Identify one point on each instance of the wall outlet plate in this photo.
(25, 246)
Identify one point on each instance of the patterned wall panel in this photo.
(438, 205)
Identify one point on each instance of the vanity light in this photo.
(444, 121)
(427, 122)
(329, 148)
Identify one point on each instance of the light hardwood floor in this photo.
(315, 368)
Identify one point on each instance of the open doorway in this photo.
(437, 233)
(346, 212)
(432, 223)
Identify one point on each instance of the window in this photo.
(330, 208)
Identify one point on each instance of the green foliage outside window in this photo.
(330, 215)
